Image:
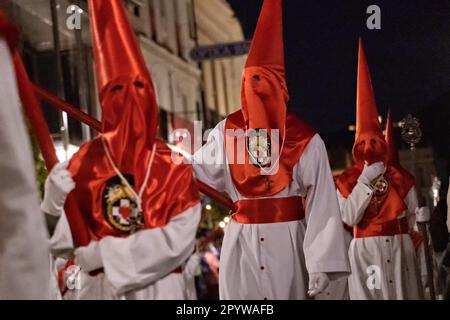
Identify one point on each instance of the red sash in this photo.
(271, 210)
(386, 229)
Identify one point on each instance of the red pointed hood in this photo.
(129, 108)
(267, 48)
(8, 31)
(264, 90)
(264, 98)
(368, 128)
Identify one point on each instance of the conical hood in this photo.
(367, 116)
(129, 109)
(267, 48)
(370, 145)
(116, 50)
(264, 90)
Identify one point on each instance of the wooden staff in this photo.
(79, 115)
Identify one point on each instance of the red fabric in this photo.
(386, 229)
(9, 32)
(130, 111)
(62, 105)
(34, 113)
(371, 147)
(368, 129)
(392, 203)
(246, 177)
(267, 46)
(417, 239)
(366, 111)
(171, 190)
(264, 97)
(129, 119)
(270, 210)
(264, 90)
(97, 125)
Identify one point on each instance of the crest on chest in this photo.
(259, 147)
(119, 205)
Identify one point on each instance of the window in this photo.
(225, 86)
(137, 11)
(151, 9)
(191, 20)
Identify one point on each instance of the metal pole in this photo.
(81, 67)
(64, 120)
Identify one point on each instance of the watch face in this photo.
(259, 148)
(119, 206)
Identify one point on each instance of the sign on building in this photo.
(218, 51)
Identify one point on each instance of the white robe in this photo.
(337, 289)
(137, 267)
(290, 249)
(24, 250)
(390, 259)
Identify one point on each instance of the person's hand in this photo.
(370, 172)
(89, 258)
(422, 214)
(318, 282)
(58, 185)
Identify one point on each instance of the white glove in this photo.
(89, 258)
(318, 282)
(58, 185)
(423, 214)
(370, 172)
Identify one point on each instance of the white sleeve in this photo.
(324, 244)
(209, 162)
(353, 208)
(24, 252)
(149, 255)
(412, 203)
(61, 243)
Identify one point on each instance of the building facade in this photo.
(216, 23)
(57, 52)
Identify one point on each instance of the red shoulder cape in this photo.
(170, 191)
(247, 178)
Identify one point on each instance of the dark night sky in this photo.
(409, 57)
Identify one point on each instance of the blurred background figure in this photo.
(24, 253)
(192, 270)
(441, 246)
(208, 245)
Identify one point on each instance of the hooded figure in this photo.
(133, 213)
(285, 228)
(377, 199)
(393, 160)
(24, 253)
